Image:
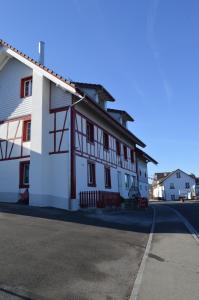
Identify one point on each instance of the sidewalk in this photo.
(172, 268)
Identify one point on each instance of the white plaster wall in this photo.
(158, 191)
(48, 173)
(10, 81)
(59, 97)
(9, 181)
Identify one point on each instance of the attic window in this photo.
(26, 87)
(178, 175)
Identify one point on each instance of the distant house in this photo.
(172, 185)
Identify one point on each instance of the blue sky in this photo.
(145, 52)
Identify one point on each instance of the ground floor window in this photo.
(91, 174)
(24, 174)
(173, 197)
(107, 175)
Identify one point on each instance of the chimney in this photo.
(41, 52)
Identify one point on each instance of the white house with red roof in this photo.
(173, 185)
(59, 141)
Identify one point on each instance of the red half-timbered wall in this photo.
(58, 132)
(12, 145)
(95, 150)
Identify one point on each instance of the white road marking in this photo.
(138, 280)
(191, 229)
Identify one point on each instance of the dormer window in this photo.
(26, 87)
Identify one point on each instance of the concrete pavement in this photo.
(172, 268)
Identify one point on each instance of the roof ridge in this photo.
(50, 71)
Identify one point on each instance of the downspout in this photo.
(72, 154)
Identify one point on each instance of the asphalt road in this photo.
(172, 267)
(51, 254)
(190, 210)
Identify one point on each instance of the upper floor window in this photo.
(140, 172)
(26, 87)
(125, 151)
(90, 132)
(91, 174)
(118, 148)
(107, 175)
(26, 130)
(132, 156)
(172, 186)
(178, 175)
(187, 185)
(105, 141)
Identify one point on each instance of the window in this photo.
(24, 174)
(91, 174)
(26, 87)
(187, 185)
(125, 152)
(118, 148)
(132, 156)
(140, 172)
(145, 175)
(105, 141)
(90, 132)
(26, 130)
(173, 197)
(127, 180)
(178, 175)
(172, 186)
(107, 174)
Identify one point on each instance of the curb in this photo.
(138, 280)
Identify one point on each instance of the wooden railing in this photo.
(99, 199)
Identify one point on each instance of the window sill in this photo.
(24, 186)
(91, 185)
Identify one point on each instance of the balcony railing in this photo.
(99, 199)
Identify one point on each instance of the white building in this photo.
(172, 185)
(57, 139)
